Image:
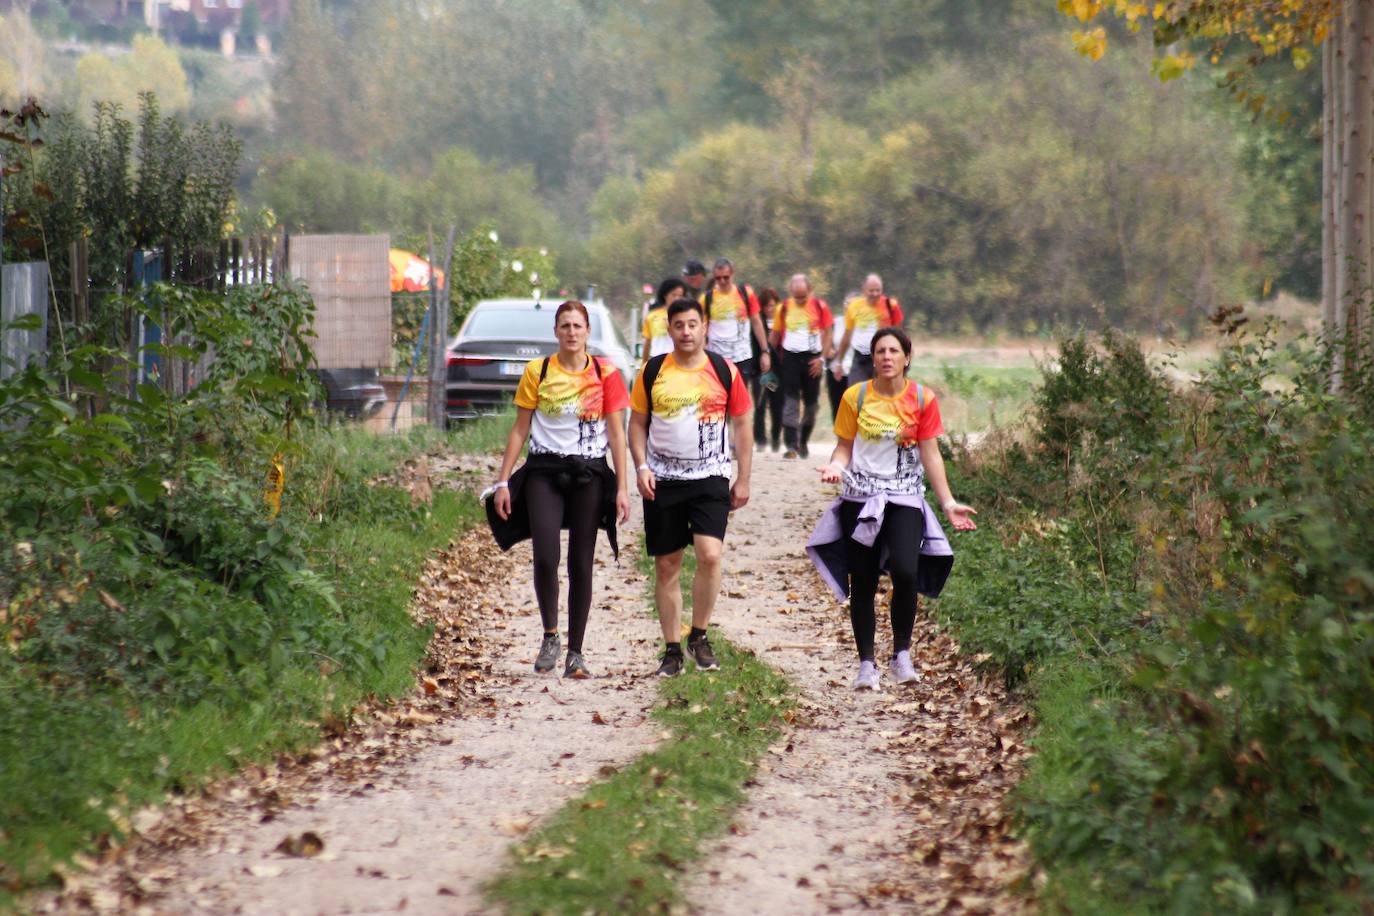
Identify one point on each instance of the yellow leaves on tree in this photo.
(1091, 44)
(151, 66)
(1269, 27)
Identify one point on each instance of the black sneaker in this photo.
(804, 451)
(548, 654)
(700, 650)
(671, 666)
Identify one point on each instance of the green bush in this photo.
(1185, 577)
(161, 624)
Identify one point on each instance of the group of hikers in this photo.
(711, 353)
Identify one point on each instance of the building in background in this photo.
(190, 22)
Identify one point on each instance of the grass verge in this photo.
(625, 845)
(77, 758)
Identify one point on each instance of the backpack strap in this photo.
(722, 369)
(920, 397)
(859, 408)
(544, 369)
(651, 370)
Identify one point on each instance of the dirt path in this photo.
(888, 800)
(873, 800)
(416, 805)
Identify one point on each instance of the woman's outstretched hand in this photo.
(501, 500)
(831, 473)
(960, 516)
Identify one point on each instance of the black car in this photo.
(487, 358)
(355, 393)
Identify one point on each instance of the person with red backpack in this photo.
(733, 325)
(686, 407)
(862, 318)
(803, 333)
(570, 408)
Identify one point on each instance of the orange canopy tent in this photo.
(410, 272)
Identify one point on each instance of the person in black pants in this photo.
(802, 332)
(767, 401)
(571, 408)
(885, 454)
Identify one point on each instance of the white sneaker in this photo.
(867, 678)
(903, 671)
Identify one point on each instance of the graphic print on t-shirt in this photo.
(865, 319)
(802, 325)
(887, 437)
(656, 331)
(689, 429)
(570, 407)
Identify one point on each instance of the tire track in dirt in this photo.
(417, 802)
(888, 800)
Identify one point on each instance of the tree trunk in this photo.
(1328, 183)
(1356, 101)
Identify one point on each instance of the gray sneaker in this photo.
(903, 671)
(867, 678)
(548, 654)
(576, 667)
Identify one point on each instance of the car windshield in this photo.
(519, 324)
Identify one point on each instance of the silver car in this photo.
(499, 336)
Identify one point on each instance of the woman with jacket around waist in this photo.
(571, 409)
(885, 452)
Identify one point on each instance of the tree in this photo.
(151, 66)
(1343, 30)
(23, 59)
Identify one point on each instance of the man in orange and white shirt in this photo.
(685, 408)
(862, 319)
(732, 317)
(803, 332)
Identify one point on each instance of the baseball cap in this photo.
(693, 267)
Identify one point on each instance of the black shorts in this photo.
(682, 509)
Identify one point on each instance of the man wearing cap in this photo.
(694, 275)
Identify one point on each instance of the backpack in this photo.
(718, 363)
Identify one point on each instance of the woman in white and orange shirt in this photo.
(886, 451)
(571, 409)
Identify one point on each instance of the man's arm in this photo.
(838, 361)
(742, 429)
(639, 452)
(765, 359)
(828, 342)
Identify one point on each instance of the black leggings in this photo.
(766, 404)
(901, 532)
(800, 390)
(547, 506)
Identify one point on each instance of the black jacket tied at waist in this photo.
(568, 471)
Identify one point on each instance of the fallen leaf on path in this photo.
(307, 845)
(597, 719)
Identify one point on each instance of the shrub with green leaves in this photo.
(1185, 578)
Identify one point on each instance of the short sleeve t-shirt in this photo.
(656, 331)
(689, 428)
(864, 319)
(802, 325)
(727, 322)
(570, 408)
(887, 455)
